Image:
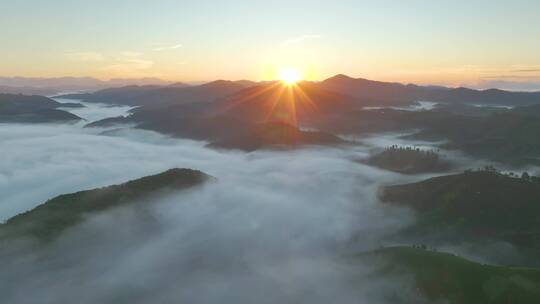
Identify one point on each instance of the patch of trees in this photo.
(409, 160)
(525, 176)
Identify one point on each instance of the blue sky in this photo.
(449, 42)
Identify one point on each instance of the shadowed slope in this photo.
(254, 118)
(276, 135)
(295, 104)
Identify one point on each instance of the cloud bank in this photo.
(274, 224)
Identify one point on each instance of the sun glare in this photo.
(290, 76)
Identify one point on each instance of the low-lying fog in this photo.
(43, 161)
(267, 231)
(417, 106)
(95, 111)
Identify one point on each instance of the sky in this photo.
(428, 42)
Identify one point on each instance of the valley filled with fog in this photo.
(346, 206)
(48, 160)
(238, 152)
(273, 223)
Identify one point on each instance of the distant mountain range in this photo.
(366, 92)
(27, 90)
(370, 91)
(227, 113)
(52, 86)
(396, 93)
(153, 95)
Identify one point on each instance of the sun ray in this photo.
(292, 105)
(257, 91)
(306, 98)
(274, 102)
(279, 101)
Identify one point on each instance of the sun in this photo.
(290, 76)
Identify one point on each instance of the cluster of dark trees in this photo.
(424, 247)
(409, 160)
(492, 169)
(432, 154)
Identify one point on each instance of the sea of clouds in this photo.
(272, 228)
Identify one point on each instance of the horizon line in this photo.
(202, 82)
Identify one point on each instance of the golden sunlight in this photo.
(290, 75)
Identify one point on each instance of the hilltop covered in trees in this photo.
(409, 160)
(48, 220)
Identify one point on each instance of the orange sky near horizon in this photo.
(471, 43)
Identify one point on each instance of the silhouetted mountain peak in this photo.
(228, 83)
(178, 85)
(277, 101)
(219, 82)
(339, 77)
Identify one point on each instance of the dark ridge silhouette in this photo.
(41, 116)
(27, 90)
(17, 102)
(178, 85)
(50, 86)
(108, 122)
(163, 96)
(34, 109)
(120, 96)
(380, 93)
(202, 93)
(386, 93)
(368, 92)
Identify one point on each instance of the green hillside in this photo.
(446, 278)
(475, 204)
(51, 218)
